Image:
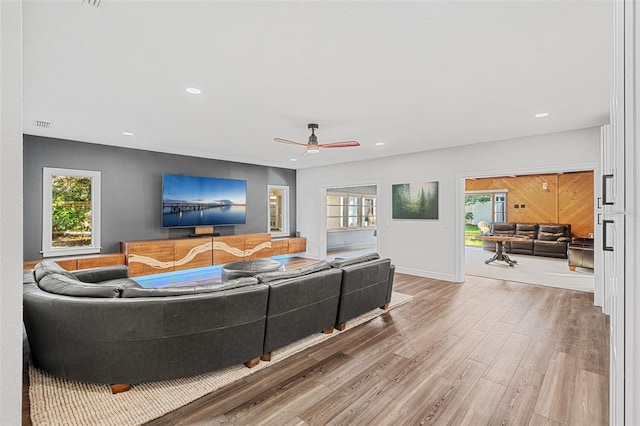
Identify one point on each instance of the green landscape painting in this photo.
(415, 200)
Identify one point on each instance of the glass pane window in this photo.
(71, 212)
(350, 211)
(369, 212)
(334, 223)
(500, 207)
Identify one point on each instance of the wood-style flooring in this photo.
(486, 352)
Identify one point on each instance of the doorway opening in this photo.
(526, 203)
(351, 220)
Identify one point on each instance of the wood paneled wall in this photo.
(568, 198)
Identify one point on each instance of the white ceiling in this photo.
(414, 75)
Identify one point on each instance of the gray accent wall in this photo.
(132, 189)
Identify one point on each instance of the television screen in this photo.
(202, 201)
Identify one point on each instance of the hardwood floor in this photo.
(483, 352)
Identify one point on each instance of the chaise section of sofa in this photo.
(367, 283)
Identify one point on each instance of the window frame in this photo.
(47, 175)
(492, 193)
(346, 207)
(285, 210)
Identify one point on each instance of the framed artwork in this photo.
(414, 200)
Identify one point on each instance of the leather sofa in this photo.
(100, 326)
(367, 283)
(323, 296)
(581, 253)
(545, 239)
(112, 331)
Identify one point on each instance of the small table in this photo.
(500, 240)
(249, 268)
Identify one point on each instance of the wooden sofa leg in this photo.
(119, 388)
(252, 362)
(572, 268)
(328, 330)
(266, 357)
(385, 306)
(341, 327)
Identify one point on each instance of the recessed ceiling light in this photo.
(193, 90)
(128, 133)
(542, 114)
(379, 143)
(293, 159)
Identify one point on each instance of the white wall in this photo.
(11, 212)
(433, 248)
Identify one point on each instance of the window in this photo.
(279, 210)
(487, 205)
(70, 212)
(499, 207)
(350, 211)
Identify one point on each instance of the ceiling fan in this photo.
(313, 147)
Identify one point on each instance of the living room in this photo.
(132, 165)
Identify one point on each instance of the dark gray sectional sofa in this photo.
(112, 331)
(100, 326)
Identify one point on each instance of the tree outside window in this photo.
(71, 200)
(70, 211)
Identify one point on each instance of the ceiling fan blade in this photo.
(339, 144)
(288, 141)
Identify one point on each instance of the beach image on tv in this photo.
(202, 201)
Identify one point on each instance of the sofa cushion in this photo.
(181, 291)
(64, 285)
(266, 277)
(529, 230)
(120, 282)
(47, 267)
(550, 236)
(340, 263)
(503, 228)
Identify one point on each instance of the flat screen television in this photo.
(189, 201)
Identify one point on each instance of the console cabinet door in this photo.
(149, 257)
(193, 253)
(228, 249)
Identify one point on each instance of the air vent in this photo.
(95, 3)
(43, 124)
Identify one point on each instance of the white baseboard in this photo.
(426, 274)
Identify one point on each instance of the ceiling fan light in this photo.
(313, 150)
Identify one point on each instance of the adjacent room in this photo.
(520, 205)
(318, 212)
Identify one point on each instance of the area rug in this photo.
(56, 401)
(546, 271)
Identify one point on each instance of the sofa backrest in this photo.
(553, 231)
(529, 230)
(340, 263)
(47, 267)
(503, 228)
(267, 277)
(181, 291)
(66, 286)
(296, 293)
